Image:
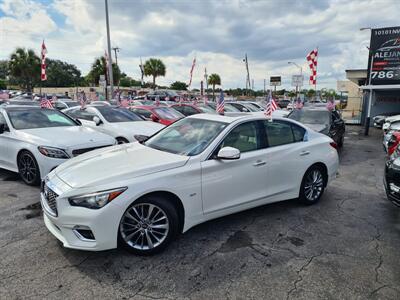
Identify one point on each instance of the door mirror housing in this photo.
(228, 153)
(154, 118)
(97, 120)
(141, 138)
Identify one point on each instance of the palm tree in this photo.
(99, 67)
(214, 80)
(24, 67)
(154, 67)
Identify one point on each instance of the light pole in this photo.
(301, 74)
(368, 119)
(110, 72)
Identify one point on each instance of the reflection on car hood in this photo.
(116, 163)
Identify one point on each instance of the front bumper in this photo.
(392, 187)
(103, 223)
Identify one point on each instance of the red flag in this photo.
(43, 64)
(312, 59)
(191, 71)
(45, 103)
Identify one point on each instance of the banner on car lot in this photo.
(384, 56)
(275, 80)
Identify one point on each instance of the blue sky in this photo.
(218, 33)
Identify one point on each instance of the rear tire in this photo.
(148, 226)
(312, 185)
(28, 168)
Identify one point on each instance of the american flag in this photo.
(45, 103)
(205, 100)
(157, 101)
(221, 103)
(54, 98)
(82, 99)
(191, 71)
(312, 59)
(299, 104)
(271, 105)
(43, 75)
(4, 95)
(195, 101)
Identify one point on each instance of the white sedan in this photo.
(34, 141)
(141, 195)
(120, 123)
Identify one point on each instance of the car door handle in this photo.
(259, 163)
(304, 153)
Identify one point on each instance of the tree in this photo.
(310, 93)
(214, 80)
(62, 74)
(127, 81)
(3, 69)
(179, 86)
(24, 68)
(154, 67)
(99, 67)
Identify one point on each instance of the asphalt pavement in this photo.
(345, 247)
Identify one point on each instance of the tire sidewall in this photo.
(302, 197)
(37, 179)
(173, 220)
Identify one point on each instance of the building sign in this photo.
(297, 80)
(385, 56)
(275, 80)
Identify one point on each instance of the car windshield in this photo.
(251, 107)
(206, 109)
(38, 118)
(116, 114)
(189, 136)
(310, 116)
(167, 113)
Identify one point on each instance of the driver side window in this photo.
(244, 138)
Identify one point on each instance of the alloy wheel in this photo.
(144, 226)
(27, 168)
(314, 185)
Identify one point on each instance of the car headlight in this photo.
(53, 152)
(96, 200)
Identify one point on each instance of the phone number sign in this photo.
(384, 56)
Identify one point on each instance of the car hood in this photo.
(64, 137)
(116, 163)
(130, 129)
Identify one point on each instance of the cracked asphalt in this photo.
(345, 247)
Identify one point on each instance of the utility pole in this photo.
(110, 72)
(265, 82)
(116, 49)
(248, 83)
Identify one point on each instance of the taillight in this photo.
(334, 145)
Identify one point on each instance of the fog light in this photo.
(84, 233)
(394, 188)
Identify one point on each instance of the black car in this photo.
(162, 95)
(392, 178)
(322, 120)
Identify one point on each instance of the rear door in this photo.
(288, 157)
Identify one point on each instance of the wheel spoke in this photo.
(149, 212)
(149, 241)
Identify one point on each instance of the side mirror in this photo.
(228, 153)
(154, 118)
(141, 138)
(97, 120)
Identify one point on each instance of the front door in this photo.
(230, 183)
(5, 141)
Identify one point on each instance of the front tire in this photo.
(312, 185)
(148, 226)
(28, 168)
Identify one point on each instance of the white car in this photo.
(389, 121)
(205, 166)
(34, 141)
(120, 123)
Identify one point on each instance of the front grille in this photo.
(50, 198)
(77, 152)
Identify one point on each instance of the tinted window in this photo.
(38, 118)
(188, 111)
(310, 116)
(243, 137)
(298, 133)
(116, 114)
(83, 114)
(168, 113)
(142, 112)
(179, 108)
(279, 133)
(59, 105)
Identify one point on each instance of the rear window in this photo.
(116, 114)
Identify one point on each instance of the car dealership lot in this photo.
(346, 246)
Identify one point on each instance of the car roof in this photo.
(21, 107)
